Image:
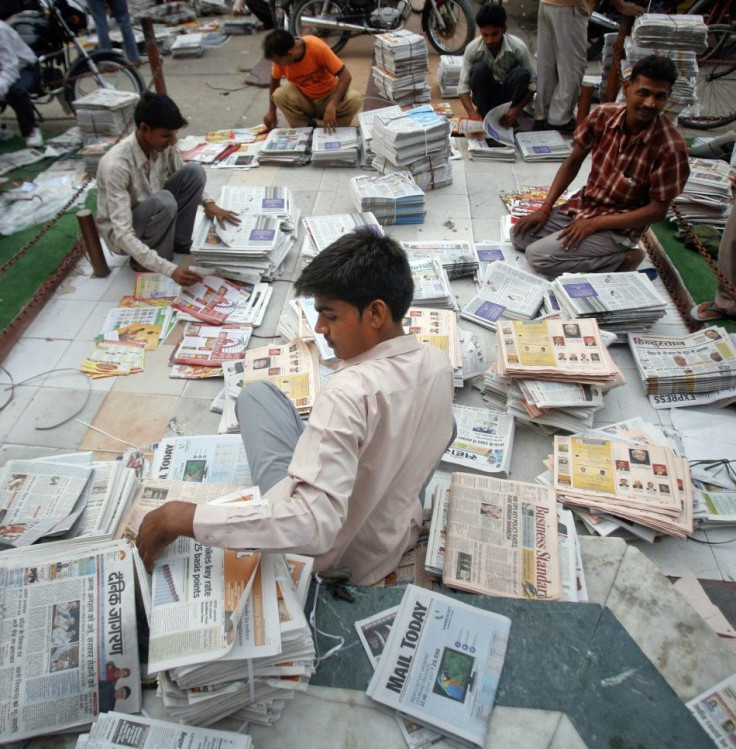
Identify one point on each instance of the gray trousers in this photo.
(601, 252)
(562, 40)
(164, 221)
(727, 263)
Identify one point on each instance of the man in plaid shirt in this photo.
(639, 164)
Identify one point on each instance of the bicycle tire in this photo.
(459, 28)
(112, 66)
(334, 38)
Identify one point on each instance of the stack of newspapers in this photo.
(506, 293)
(418, 141)
(438, 328)
(664, 31)
(701, 362)
(545, 145)
(287, 146)
(322, 231)
(496, 142)
(401, 67)
(228, 636)
(365, 126)
(393, 198)
(706, 197)
(188, 45)
(338, 147)
(105, 112)
(448, 75)
(619, 301)
(431, 283)
(69, 621)
(274, 202)
(458, 258)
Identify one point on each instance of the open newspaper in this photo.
(502, 538)
(211, 300)
(70, 648)
(442, 663)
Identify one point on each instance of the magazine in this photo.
(211, 300)
(211, 345)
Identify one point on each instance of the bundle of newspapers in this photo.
(701, 362)
(393, 198)
(448, 75)
(506, 293)
(338, 147)
(431, 283)
(459, 259)
(228, 637)
(644, 483)
(484, 440)
(273, 202)
(418, 140)
(105, 112)
(401, 67)
(69, 636)
(365, 126)
(188, 45)
(544, 145)
(670, 31)
(441, 664)
(322, 231)
(706, 197)
(287, 146)
(619, 301)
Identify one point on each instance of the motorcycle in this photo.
(449, 25)
(49, 28)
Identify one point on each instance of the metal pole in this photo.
(91, 241)
(154, 59)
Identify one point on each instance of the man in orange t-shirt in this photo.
(318, 89)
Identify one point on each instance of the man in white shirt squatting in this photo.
(344, 488)
(147, 198)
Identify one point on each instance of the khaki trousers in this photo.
(300, 111)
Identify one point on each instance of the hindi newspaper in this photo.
(502, 538)
(442, 663)
(715, 710)
(70, 641)
(211, 345)
(211, 300)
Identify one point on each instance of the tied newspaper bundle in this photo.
(338, 147)
(459, 259)
(228, 637)
(417, 140)
(448, 75)
(441, 664)
(365, 127)
(393, 198)
(401, 67)
(287, 146)
(322, 231)
(69, 637)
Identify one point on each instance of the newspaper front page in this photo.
(69, 627)
(502, 538)
(442, 663)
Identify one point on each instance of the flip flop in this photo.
(651, 273)
(707, 312)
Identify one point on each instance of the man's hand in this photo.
(629, 9)
(185, 277)
(213, 211)
(531, 223)
(576, 231)
(329, 118)
(509, 119)
(271, 119)
(162, 527)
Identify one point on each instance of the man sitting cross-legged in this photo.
(346, 487)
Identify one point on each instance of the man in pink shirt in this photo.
(344, 488)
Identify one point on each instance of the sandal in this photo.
(707, 312)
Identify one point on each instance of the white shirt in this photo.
(125, 178)
(15, 55)
(513, 53)
(376, 431)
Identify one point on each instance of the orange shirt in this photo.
(315, 75)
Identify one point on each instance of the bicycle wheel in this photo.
(114, 72)
(449, 25)
(716, 86)
(330, 10)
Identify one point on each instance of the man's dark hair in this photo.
(359, 268)
(656, 67)
(158, 110)
(277, 43)
(490, 14)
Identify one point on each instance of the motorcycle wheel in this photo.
(331, 9)
(459, 25)
(115, 71)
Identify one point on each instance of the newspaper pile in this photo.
(338, 147)
(287, 146)
(419, 141)
(216, 301)
(459, 259)
(431, 283)
(662, 31)
(393, 198)
(211, 345)
(701, 362)
(714, 509)
(506, 293)
(495, 142)
(545, 145)
(441, 664)
(448, 75)
(273, 202)
(706, 197)
(322, 231)
(116, 731)
(188, 45)
(106, 112)
(619, 301)
(637, 481)
(365, 127)
(438, 328)
(484, 440)
(68, 620)
(401, 67)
